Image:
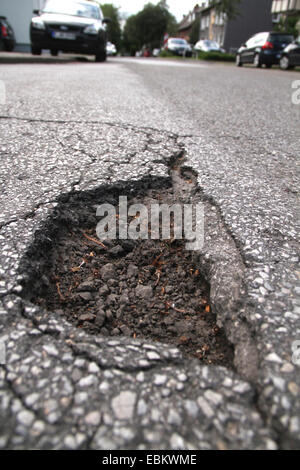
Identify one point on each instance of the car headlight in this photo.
(92, 29)
(37, 23)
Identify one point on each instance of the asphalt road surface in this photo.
(68, 129)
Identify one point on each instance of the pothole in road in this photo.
(144, 289)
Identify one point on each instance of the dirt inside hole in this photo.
(145, 289)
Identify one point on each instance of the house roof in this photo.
(189, 19)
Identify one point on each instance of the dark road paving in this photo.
(77, 126)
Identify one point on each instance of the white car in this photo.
(179, 46)
(205, 45)
(111, 48)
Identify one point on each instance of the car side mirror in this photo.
(36, 12)
(106, 20)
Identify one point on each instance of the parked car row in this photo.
(270, 48)
(267, 48)
(179, 46)
(7, 36)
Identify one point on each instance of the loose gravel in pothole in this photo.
(146, 289)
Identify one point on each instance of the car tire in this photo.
(238, 61)
(36, 50)
(54, 53)
(268, 66)
(100, 55)
(256, 61)
(285, 63)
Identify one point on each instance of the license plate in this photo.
(62, 35)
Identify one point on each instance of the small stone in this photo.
(104, 290)
(86, 296)
(86, 317)
(279, 383)
(125, 330)
(287, 368)
(123, 405)
(174, 418)
(182, 377)
(213, 397)
(144, 292)
(108, 272)
(51, 350)
(293, 388)
(25, 417)
(205, 407)
(273, 357)
(87, 381)
(93, 418)
(93, 368)
(87, 286)
(241, 388)
(191, 408)
(132, 270)
(177, 443)
(160, 379)
(142, 407)
(115, 332)
(70, 442)
(31, 399)
(153, 356)
(100, 318)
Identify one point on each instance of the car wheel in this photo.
(36, 50)
(268, 66)
(54, 53)
(285, 63)
(238, 61)
(100, 55)
(257, 61)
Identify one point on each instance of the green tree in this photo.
(288, 24)
(113, 28)
(229, 7)
(194, 36)
(148, 27)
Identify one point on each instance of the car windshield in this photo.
(178, 41)
(73, 9)
(212, 44)
(282, 38)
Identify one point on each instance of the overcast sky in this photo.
(177, 7)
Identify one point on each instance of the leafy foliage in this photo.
(289, 24)
(194, 36)
(228, 7)
(148, 27)
(216, 56)
(113, 28)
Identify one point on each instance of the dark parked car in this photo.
(7, 35)
(263, 49)
(69, 26)
(290, 56)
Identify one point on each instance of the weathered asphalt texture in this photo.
(69, 129)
